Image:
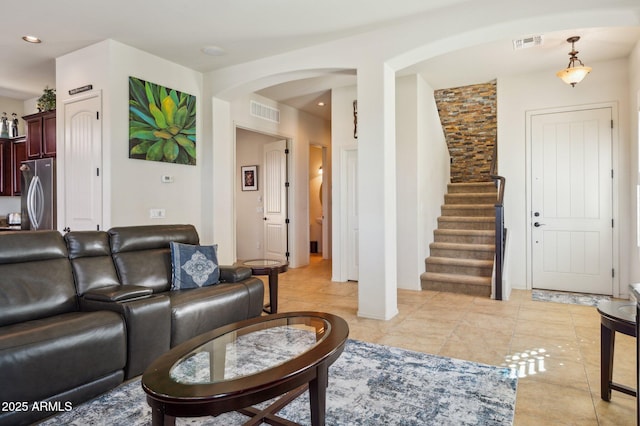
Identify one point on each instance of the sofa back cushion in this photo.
(90, 257)
(35, 276)
(142, 254)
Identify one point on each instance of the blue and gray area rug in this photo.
(368, 385)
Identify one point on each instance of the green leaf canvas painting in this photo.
(162, 123)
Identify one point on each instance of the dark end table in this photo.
(271, 268)
(615, 317)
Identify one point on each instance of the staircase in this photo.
(463, 250)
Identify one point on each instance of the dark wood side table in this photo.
(614, 317)
(271, 268)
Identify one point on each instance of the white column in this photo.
(377, 285)
(223, 182)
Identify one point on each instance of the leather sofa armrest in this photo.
(148, 324)
(118, 293)
(233, 274)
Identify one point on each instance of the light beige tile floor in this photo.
(554, 347)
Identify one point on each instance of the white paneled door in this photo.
(275, 200)
(572, 215)
(82, 163)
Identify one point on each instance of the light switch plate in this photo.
(157, 213)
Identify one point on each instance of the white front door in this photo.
(351, 166)
(275, 200)
(83, 163)
(571, 201)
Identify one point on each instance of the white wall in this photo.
(10, 106)
(132, 187)
(9, 205)
(433, 170)
(634, 167)
(298, 127)
(608, 82)
(341, 139)
(422, 175)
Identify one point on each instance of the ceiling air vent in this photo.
(265, 112)
(532, 41)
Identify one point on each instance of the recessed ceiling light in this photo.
(320, 104)
(213, 51)
(31, 39)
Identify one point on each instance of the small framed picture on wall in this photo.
(249, 178)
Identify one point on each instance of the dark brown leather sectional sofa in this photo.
(80, 314)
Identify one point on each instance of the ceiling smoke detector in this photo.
(526, 42)
(213, 51)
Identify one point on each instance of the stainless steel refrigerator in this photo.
(38, 202)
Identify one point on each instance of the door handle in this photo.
(538, 224)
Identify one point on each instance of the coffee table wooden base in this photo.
(317, 397)
(268, 415)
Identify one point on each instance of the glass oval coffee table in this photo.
(239, 365)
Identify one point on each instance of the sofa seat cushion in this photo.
(48, 356)
(196, 311)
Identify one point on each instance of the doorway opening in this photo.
(262, 200)
(316, 216)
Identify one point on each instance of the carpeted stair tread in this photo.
(455, 283)
(462, 246)
(466, 222)
(475, 210)
(470, 198)
(454, 261)
(460, 266)
(468, 187)
(467, 219)
(474, 232)
(456, 279)
(468, 236)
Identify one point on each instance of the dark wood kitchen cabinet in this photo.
(41, 134)
(18, 155)
(12, 154)
(5, 167)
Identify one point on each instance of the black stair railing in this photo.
(501, 232)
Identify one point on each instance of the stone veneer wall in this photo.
(468, 117)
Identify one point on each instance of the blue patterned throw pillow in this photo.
(193, 266)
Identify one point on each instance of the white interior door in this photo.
(352, 214)
(83, 163)
(275, 200)
(571, 221)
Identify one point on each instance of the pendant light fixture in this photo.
(573, 74)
